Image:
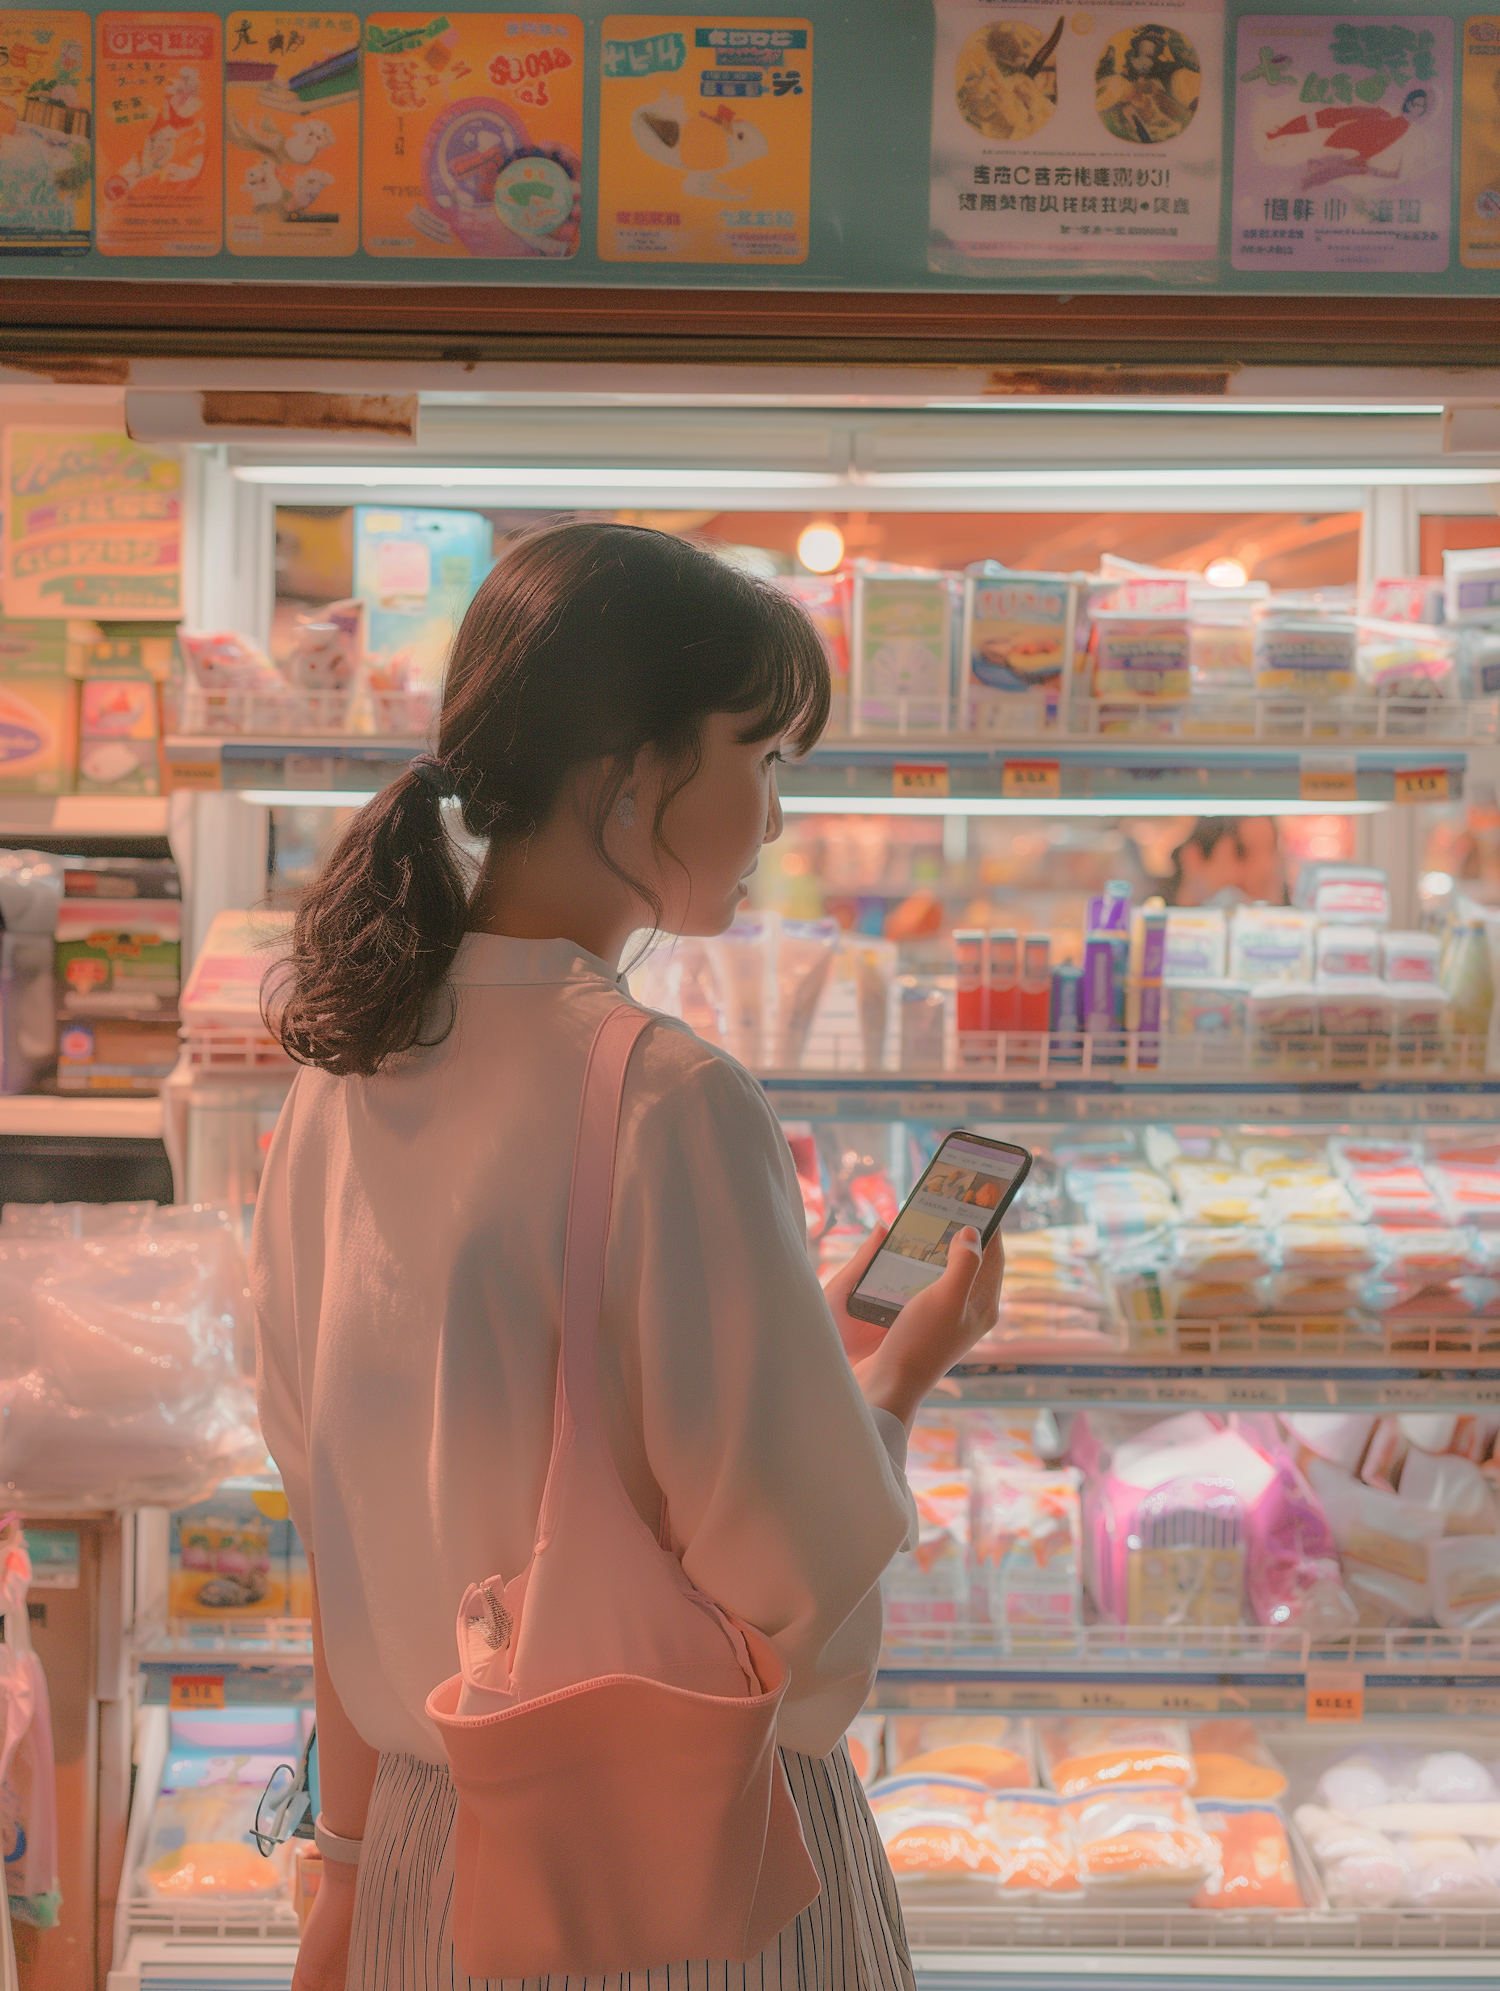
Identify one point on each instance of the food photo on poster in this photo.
(46, 131)
(291, 127)
(159, 160)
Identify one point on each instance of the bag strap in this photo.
(590, 1197)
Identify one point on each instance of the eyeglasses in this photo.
(290, 1802)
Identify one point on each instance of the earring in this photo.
(625, 812)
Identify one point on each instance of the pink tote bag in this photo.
(611, 1731)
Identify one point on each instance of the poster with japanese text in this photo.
(291, 128)
(159, 148)
(705, 139)
(473, 134)
(46, 131)
(1081, 134)
(1343, 143)
(93, 526)
(1479, 145)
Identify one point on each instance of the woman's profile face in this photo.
(715, 827)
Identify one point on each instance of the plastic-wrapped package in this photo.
(1353, 894)
(1221, 1253)
(1271, 944)
(1215, 1193)
(934, 1440)
(1308, 1295)
(1206, 1007)
(943, 1835)
(1347, 953)
(1424, 1254)
(1027, 1543)
(1292, 1572)
(1317, 1249)
(1446, 1872)
(124, 1362)
(1385, 1542)
(1407, 659)
(988, 1433)
(200, 1847)
(1053, 1291)
(1087, 1753)
(1463, 1582)
(1283, 1009)
(1360, 1868)
(1455, 1487)
(223, 660)
(1038, 1846)
(1255, 1868)
(1311, 1199)
(805, 952)
(1120, 1197)
(1410, 957)
(865, 1740)
(1210, 1299)
(930, 1584)
(1142, 1841)
(1354, 1007)
(742, 959)
(1230, 1761)
(997, 1751)
(1339, 1436)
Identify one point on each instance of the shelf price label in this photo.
(920, 778)
(195, 772)
(1422, 784)
(192, 1693)
(1334, 1693)
(1031, 780)
(1329, 778)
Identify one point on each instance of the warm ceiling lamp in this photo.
(820, 547)
(1225, 574)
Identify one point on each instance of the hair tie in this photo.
(434, 774)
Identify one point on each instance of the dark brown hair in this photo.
(585, 643)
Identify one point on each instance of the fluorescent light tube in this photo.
(1088, 805)
(533, 476)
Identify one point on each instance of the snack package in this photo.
(1410, 957)
(1230, 1761)
(934, 1440)
(1407, 659)
(865, 1740)
(1339, 1436)
(1347, 953)
(1463, 1582)
(1360, 1868)
(1142, 1841)
(997, 1751)
(1038, 1846)
(1385, 1543)
(1197, 943)
(1271, 944)
(1027, 1546)
(200, 1847)
(1255, 1867)
(1356, 894)
(1305, 654)
(1446, 1871)
(932, 1829)
(1322, 1249)
(1454, 1488)
(929, 1585)
(1088, 1753)
(1292, 1572)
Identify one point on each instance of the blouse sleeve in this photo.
(785, 1492)
(278, 1360)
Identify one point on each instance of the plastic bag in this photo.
(997, 1751)
(1231, 1762)
(1292, 1572)
(121, 1377)
(1255, 1858)
(930, 1584)
(1142, 1840)
(200, 1847)
(28, 1779)
(1097, 1752)
(1360, 1868)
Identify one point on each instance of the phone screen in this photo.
(966, 1182)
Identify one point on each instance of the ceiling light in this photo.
(1085, 805)
(820, 547)
(1225, 574)
(540, 477)
(308, 798)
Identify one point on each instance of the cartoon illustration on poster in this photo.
(291, 119)
(1479, 145)
(1343, 143)
(93, 525)
(159, 154)
(705, 140)
(46, 131)
(473, 134)
(1077, 135)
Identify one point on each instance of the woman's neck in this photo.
(555, 886)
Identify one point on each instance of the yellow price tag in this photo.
(1335, 1694)
(192, 1693)
(924, 778)
(191, 773)
(1422, 784)
(1329, 778)
(1031, 780)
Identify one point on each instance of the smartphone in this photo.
(970, 1180)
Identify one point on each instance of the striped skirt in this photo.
(850, 1939)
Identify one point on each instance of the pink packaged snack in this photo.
(1292, 1573)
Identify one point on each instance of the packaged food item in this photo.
(1017, 627)
(1447, 1871)
(1410, 957)
(1215, 1193)
(1292, 1571)
(1354, 1007)
(1027, 1547)
(804, 954)
(1421, 1253)
(1471, 584)
(929, 1585)
(1360, 1868)
(1222, 647)
(200, 1848)
(1142, 1841)
(1305, 655)
(1338, 1436)
(934, 1440)
(1416, 1010)
(1205, 1008)
(120, 958)
(119, 724)
(1271, 944)
(932, 1828)
(1255, 1868)
(1384, 1540)
(902, 662)
(1283, 1009)
(988, 1433)
(237, 1555)
(1349, 894)
(865, 1740)
(1141, 656)
(1230, 1761)
(1038, 1846)
(1090, 1753)
(1463, 1581)
(1225, 1252)
(1406, 659)
(1419, 599)
(1348, 953)
(997, 1751)
(1196, 944)
(742, 958)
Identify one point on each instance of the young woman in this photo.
(616, 706)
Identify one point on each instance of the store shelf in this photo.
(256, 1664)
(236, 1921)
(939, 1931)
(1227, 1386)
(81, 1118)
(298, 763)
(154, 1962)
(83, 815)
(954, 1100)
(1119, 1969)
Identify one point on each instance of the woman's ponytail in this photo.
(376, 934)
(586, 644)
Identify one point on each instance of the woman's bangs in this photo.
(788, 685)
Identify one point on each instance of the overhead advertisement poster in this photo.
(1343, 143)
(473, 135)
(705, 139)
(1080, 134)
(1479, 146)
(291, 122)
(159, 155)
(46, 131)
(93, 526)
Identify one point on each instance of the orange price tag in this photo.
(193, 1692)
(1329, 778)
(919, 778)
(1422, 784)
(1335, 1694)
(1031, 780)
(189, 772)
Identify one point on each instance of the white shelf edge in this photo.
(81, 1118)
(84, 815)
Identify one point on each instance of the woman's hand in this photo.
(896, 1367)
(323, 1958)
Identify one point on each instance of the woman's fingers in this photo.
(839, 1285)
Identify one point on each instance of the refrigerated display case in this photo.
(905, 826)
